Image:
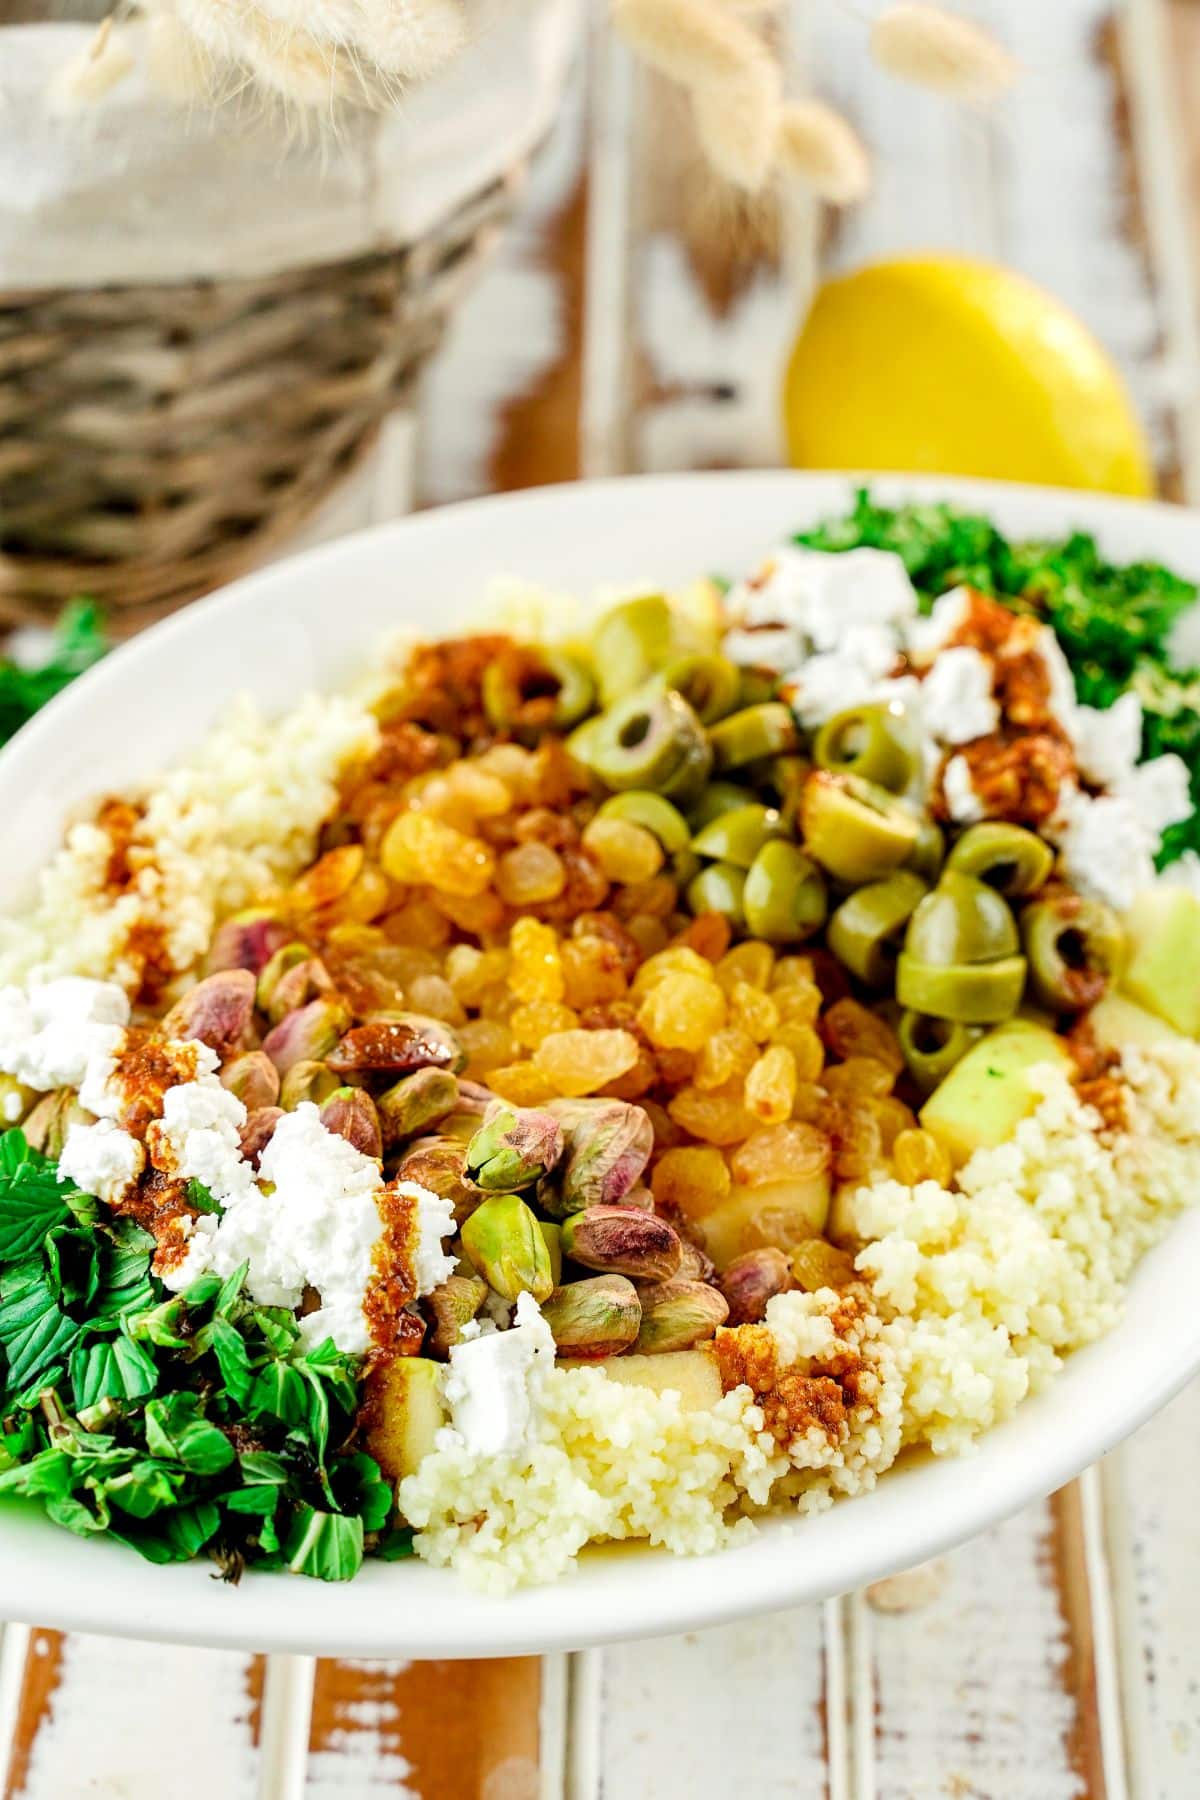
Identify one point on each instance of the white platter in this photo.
(312, 622)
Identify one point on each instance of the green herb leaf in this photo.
(201, 1197)
(118, 1369)
(328, 1546)
(79, 642)
(176, 1431)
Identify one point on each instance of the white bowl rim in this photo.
(919, 1510)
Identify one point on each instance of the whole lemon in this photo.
(959, 367)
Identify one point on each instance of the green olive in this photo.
(932, 1046)
(517, 700)
(582, 741)
(876, 742)
(718, 797)
(858, 831)
(652, 739)
(1009, 858)
(658, 816)
(685, 865)
(738, 836)
(708, 683)
(755, 686)
(786, 776)
(785, 898)
(976, 993)
(631, 641)
(961, 921)
(929, 851)
(721, 889)
(866, 930)
(1075, 947)
(755, 731)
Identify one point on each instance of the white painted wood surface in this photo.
(1059, 1655)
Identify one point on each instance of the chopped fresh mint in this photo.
(1113, 621)
(178, 1424)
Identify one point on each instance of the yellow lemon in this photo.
(944, 364)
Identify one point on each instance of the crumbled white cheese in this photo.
(1184, 872)
(431, 1264)
(957, 703)
(491, 1384)
(850, 676)
(1160, 791)
(50, 1034)
(962, 802)
(1105, 849)
(1061, 697)
(197, 1138)
(101, 1159)
(773, 647)
(926, 637)
(1108, 740)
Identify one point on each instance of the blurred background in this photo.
(224, 337)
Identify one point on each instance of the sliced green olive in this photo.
(721, 889)
(718, 797)
(786, 776)
(875, 742)
(556, 688)
(755, 686)
(652, 739)
(709, 683)
(865, 932)
(1009, 858)
(961, 921)
(1075, 947)
(785, 898)
(856, 830)
(738, 836)
(685, 865)
(929, 851)
(582, 741)
(641, 807)
(631, 641)
(932, 1046)
(755, 731)
(975, 993)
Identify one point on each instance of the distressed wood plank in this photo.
(116, 1714)
(740, 1705)
(428, 1731)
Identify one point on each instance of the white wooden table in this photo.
(1059, 1655)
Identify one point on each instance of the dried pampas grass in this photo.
(96, 70)
(737, 122)
(695, 42)
(820, 148)
(940, 50)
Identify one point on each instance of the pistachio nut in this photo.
(218, 1011)
(694, 1263)
(749, 1281)
(449, 1308)
(437, 1163)
(288, 956)
(678, 1314)
(622, 1240)
(595, 1318)
(415, 1102)
(504, 1242)
(47, 1125)
(608, 1144)
(253, 1077)
(258, 1131)
(401, 1042)
(308, 1035)
(247, 940)
(514, 1147)
(350, 1113)
(307, 1081)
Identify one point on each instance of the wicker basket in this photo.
(155, 441)
(202, 324)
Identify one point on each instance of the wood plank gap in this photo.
(1116, 1526)
(1158, 148)
(1081, 1577)
(585, 1704)
(553, 1721)
(607, 375)
(862, 1696)
(286, 1723)
(838, 1751)
(14, 1653)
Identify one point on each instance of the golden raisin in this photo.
(808, 1052)
(726, 1056)
(691, 1179)
(579, 1062)
(523, 1083)
(771, 1086)
(794, 1151)
(894, 1117)
(753, 1010)
(719, 1117)
(626, 852)
(592, 971)
(528, 874)
(918, 1157)
(488, 1044)
(851, 1029)
(420, 849)
(751, 962)
(535, 966)
(682, 1011)
(860, 1075)
(817, 1264)
(536, 1020)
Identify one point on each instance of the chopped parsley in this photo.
(1113, 621)
(178, 1424)
(79, 641)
